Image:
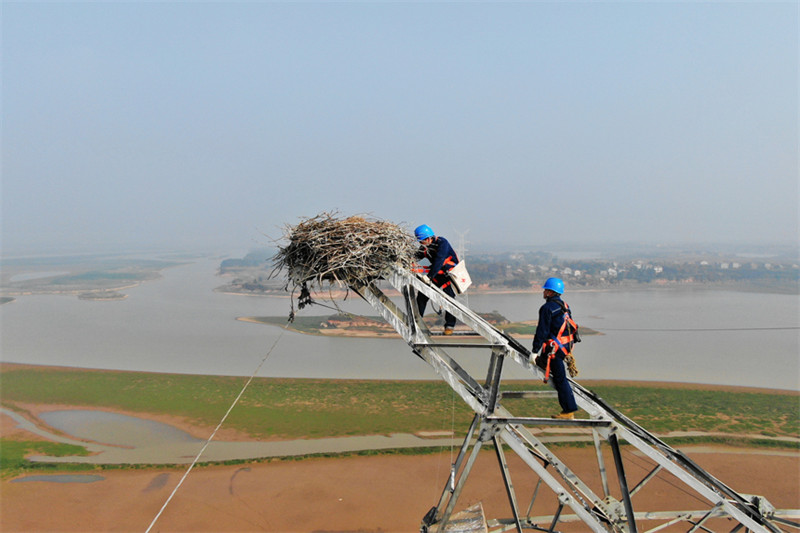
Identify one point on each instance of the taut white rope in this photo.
(185, 475)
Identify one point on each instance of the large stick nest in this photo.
(346, 252)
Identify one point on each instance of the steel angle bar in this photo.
(507, 524)
(574, 483)
(528, 395)
(712, 493)
(399, 279)
(420, 341)
(459, 486)
(493, 378)
(782, 517)
(533, 421)
(648, 439)
(456, 467)
(450, 371)
(562, 492)
(472, 394)
(538, 448)
(713, 496)
(605, 420)
(387, 308)
(533, 497)
(623, 483)
(699, 524)
(512, 497)
(454, 366)
(458, 345)
(672, 517)
(677, 464)
(601, 464)
(684, 517)
(646, 479)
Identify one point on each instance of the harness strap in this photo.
(447, 262)
(564, 341)
(552, 353)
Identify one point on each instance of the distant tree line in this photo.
(523, 270)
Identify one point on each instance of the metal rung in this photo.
(524, 420)
(458, 345)
(528, 395)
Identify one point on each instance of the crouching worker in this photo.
(555, 335)
(443, 258)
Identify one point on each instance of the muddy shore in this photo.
(364, 494)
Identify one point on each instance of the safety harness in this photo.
(563, 341)
(424, 270)
(449, 262)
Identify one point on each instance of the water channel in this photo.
(180, 324)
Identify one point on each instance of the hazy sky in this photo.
(184, 124)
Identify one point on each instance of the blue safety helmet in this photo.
(423, 232)
(554, 284)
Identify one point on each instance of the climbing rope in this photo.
(203, 449)
(453, 472)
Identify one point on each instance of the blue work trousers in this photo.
(422, 303)
(558, 378)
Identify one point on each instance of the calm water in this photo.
(113, 428)
(178, 324)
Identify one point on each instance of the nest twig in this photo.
(346, 252)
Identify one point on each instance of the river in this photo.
(179, 324)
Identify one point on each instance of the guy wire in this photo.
(208, 441)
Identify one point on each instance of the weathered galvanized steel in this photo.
(493, 424)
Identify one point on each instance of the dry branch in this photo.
(346, 252)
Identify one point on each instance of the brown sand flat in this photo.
(381, 493)
(350, 494)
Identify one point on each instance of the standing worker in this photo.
(443, 258)
(555, 335)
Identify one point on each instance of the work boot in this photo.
(564, 416)
(448, 331)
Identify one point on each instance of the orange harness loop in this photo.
(547, 370)
(424, 270)
(562, 342)
(447, 262)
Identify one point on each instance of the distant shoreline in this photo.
(338, 294)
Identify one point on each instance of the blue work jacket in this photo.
(437, 253)
(551, 318)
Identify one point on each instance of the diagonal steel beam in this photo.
(598, 513)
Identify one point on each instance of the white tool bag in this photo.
(460, 277)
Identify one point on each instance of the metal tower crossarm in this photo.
(496, 425)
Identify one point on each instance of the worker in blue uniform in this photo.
(555, 335)
(443, 258)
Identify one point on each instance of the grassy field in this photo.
(13, 453)
(313, 408)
